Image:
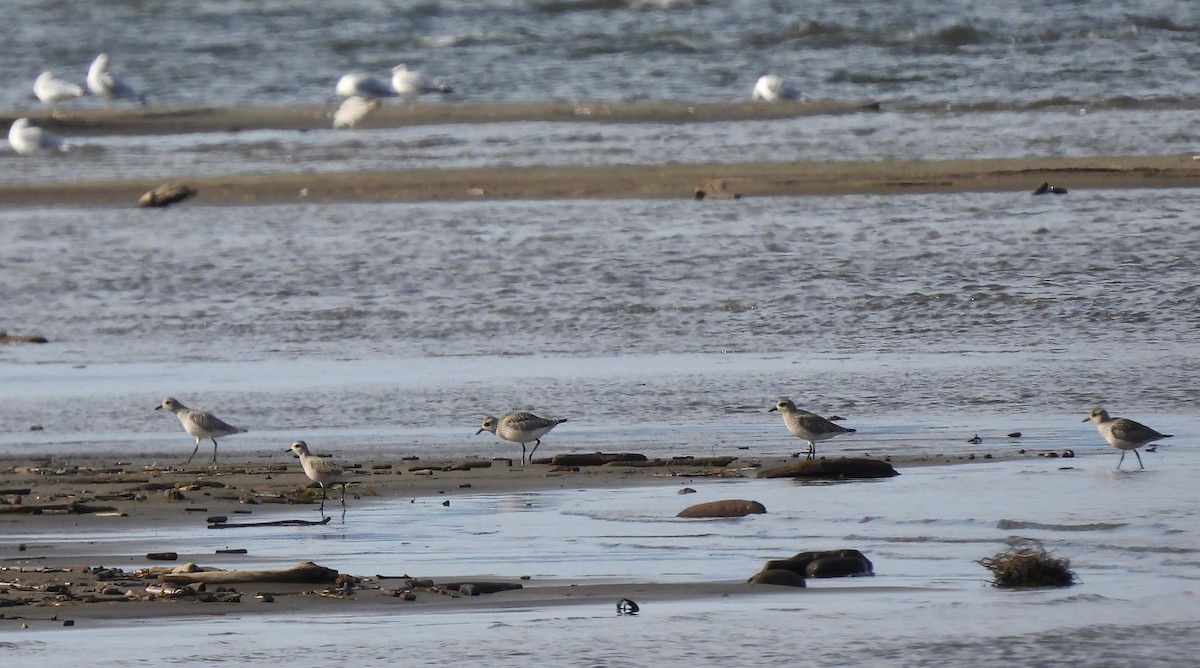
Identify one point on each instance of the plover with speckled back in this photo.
(520, 427)
(808, 426)
(1123, 434)
(322, 470)
(200, 424)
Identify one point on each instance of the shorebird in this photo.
(412, 83)
(361, 85)
(1123, 434)
(200, 424)
(322, 470)
(29, 139)
(520, 427)
(772, 88)
(51, 90)
(100, 81)
(353, 110)
(808, 426)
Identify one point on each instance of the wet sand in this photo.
(718, 180)
(41, 580)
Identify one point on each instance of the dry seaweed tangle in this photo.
(1028, 565)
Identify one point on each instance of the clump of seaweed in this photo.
(1028, 565)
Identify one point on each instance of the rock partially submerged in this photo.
(778, 577)
(724, 508)
(823, 564)
(835, 469)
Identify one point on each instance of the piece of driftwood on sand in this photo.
(304, 572)
(272, 523)
(55, 508)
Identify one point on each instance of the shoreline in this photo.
(720, 179)
(666, 181)
(140, 497)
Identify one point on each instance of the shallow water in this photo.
(918, 54)
(660, 327)
(1128, 536)
(1065, 131)
(655, 324)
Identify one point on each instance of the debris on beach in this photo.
(166, 195)
(306, 572)
(627, 607)
(6, 338)
(723, 508)
(1047, 188)
(1028, 565)
(835, 469)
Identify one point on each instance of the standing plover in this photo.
(1123, 434)
(520, 427)
(199, 424)
(322, 470)
(808, 426)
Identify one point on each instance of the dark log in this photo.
(678, 461)
(274, 523)
(65, 508)
(306, 572)
(836, 469)
(593, 459)
(5, 337)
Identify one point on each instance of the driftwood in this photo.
(5, 337)
(835, 469)
(593, 459)
(481, 587)
(678, 461)
(63, 508)
(166, 195)
(274, 523)
(306, 572)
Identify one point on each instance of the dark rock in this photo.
(778, 577)
(833, 469)
(837, 567)
(724, 508)
(824, 564)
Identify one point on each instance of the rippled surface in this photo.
(1067, 131)
(1127, 535)
(385, 323)
(915, 53)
